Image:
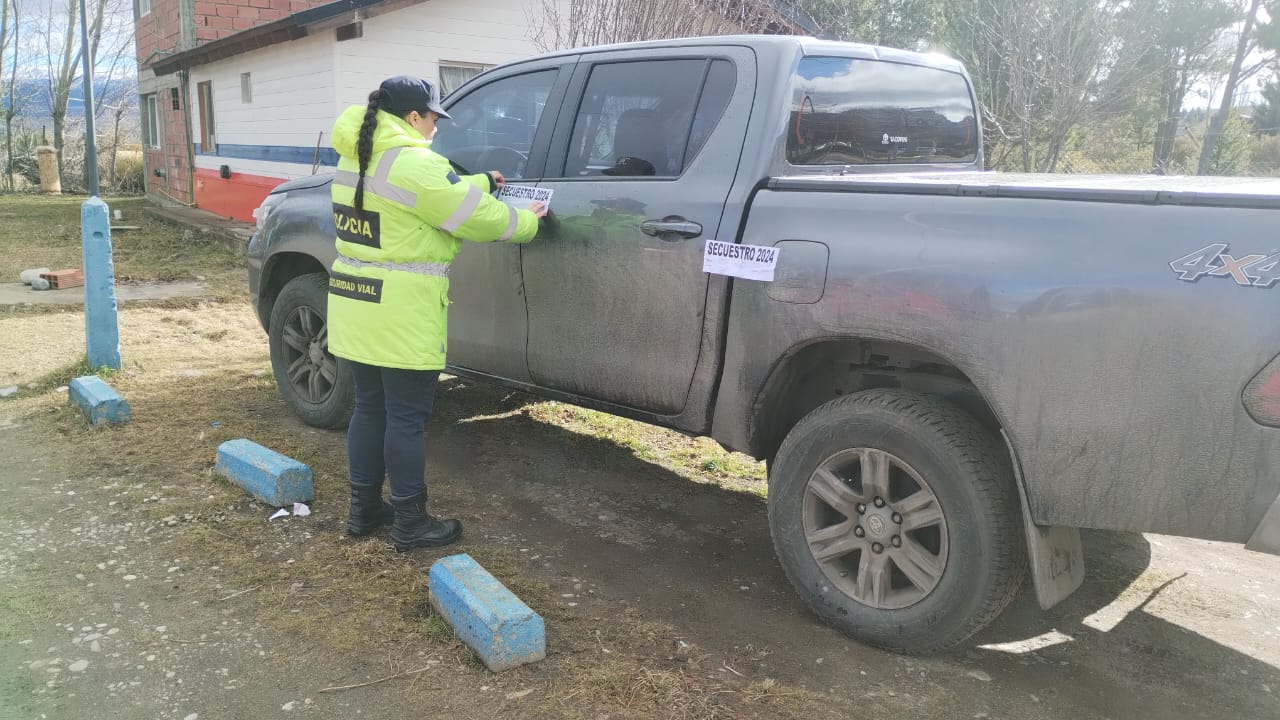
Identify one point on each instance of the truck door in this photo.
(500, 122)
(641, 164)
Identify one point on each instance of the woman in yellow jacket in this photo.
(401, 214)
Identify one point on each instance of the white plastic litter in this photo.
(301, 510)
(279, 514)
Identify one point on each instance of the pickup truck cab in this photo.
(949, 372)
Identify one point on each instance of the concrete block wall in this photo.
(168, 171)
(159, 31)
(216, 19)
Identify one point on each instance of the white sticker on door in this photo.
(521, 197)
(749, 262)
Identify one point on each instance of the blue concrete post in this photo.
(102, 334)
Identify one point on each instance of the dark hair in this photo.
(364, 146)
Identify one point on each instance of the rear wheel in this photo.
(315, 384)
(896, 518)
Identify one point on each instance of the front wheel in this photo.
(317, 386)
(895, 517)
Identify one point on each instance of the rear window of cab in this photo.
(848, 111)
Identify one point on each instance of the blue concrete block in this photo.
(274, 479)
(485, 615)
(100, 403)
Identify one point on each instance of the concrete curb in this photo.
(485, 615)
(275, 479)
(101, 404)
(231, 234)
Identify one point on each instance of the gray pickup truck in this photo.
(949, 372)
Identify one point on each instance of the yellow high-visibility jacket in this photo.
(389, 288)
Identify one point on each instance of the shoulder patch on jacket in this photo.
(453, 178)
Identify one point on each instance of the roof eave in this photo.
(293, 27)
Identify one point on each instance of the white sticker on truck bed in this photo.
(749, 262)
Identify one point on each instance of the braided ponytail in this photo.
(364, 146)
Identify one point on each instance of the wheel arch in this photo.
(815, 372)
(277, 271)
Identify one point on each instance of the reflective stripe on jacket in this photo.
(389, 288)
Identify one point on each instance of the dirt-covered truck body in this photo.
(790, 246)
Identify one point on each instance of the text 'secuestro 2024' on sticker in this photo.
(749, 262)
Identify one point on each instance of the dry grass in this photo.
(198, 374)
(45, 232)
(24, 606)
(697, 459)
(198, 377)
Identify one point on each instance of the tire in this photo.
(953, 556)
(320, 390)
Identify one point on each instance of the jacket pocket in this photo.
(445, 302)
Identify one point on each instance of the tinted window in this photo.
(852, 112)
(493, 126)
(716, 93)
(638, 119)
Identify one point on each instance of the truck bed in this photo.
(1257, 193)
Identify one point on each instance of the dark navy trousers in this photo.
(387, 434)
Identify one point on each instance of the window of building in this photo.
(144, 7)
(648, 118)
(493, 127)
(150, 121)
(246, 88)
(204, 95)
(856, 112)
(455, 75)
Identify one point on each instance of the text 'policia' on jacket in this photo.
(389, 287)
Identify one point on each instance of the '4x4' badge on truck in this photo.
(1213, 260)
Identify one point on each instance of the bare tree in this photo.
(63, 65)
(5, 31)
(117, 104)
(1044, 68)
(62, 47)
(1246, 44)
(909, 24)
(10, 35)
(116, 94)
(1185, 35)
(562, 24)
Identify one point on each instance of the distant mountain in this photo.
(32, 96)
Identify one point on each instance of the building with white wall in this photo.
(260, 115)
(227, 119)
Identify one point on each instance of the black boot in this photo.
(414, 528)
(368, 511)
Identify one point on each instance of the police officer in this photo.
(401, 213)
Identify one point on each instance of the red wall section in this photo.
(235, 197)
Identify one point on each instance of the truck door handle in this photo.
(671, 229)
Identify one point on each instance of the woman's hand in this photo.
(498, 179)
(539, 209)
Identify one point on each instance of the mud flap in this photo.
(1057, 560)
(1055, 553)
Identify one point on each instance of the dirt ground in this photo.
(135, 584)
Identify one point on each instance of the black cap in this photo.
(403, 94)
